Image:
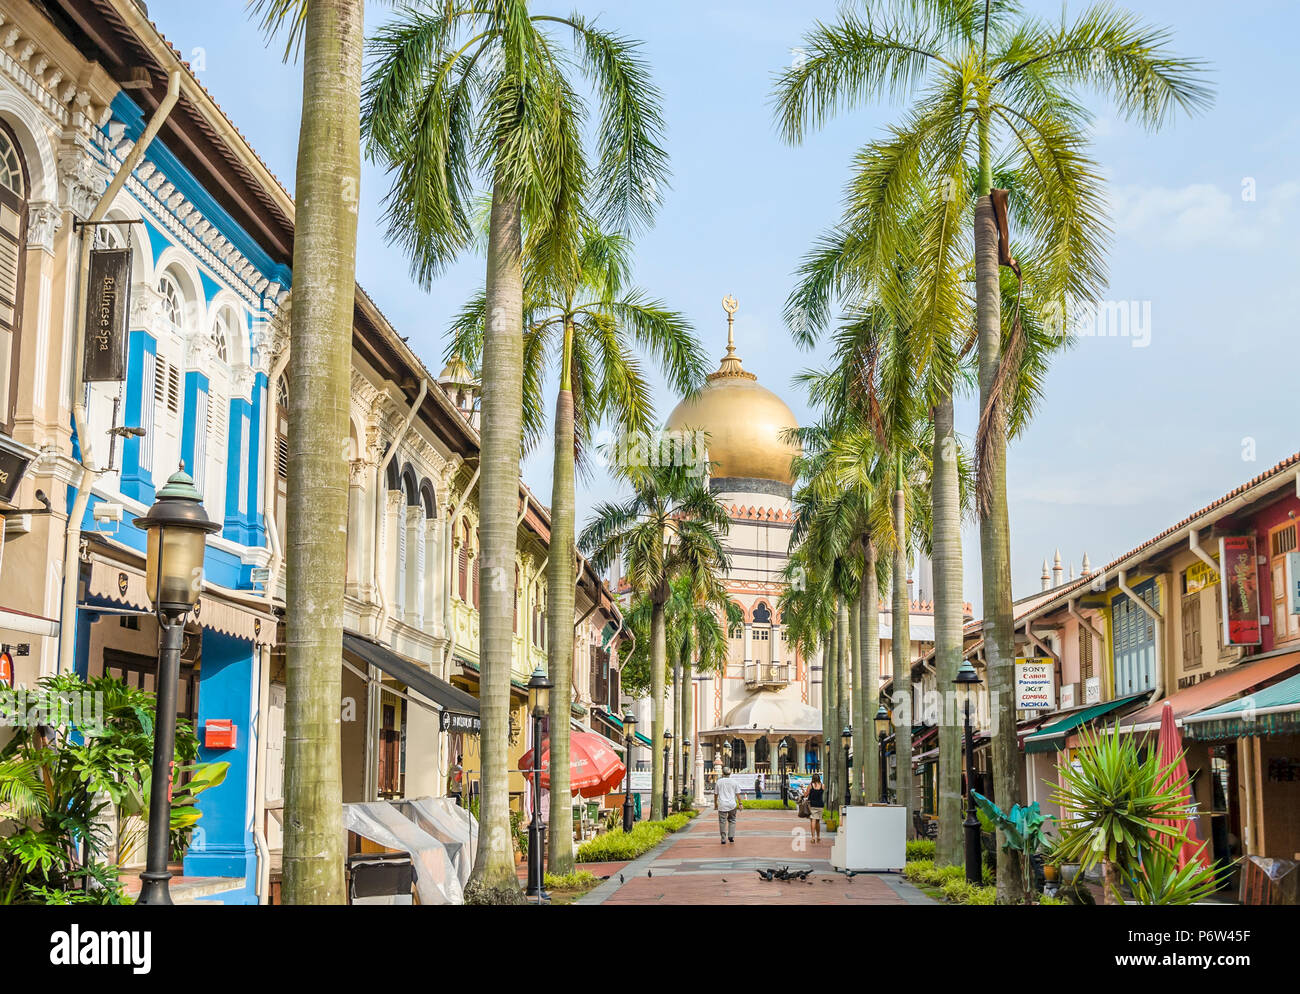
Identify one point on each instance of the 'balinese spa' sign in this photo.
(108, 309)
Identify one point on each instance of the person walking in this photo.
(758, 787)
(815, 795)
(726, 798)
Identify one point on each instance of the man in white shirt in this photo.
(726, 798)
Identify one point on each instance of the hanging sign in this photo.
(1240, 590)
(6, 670)
(453, 722)
(108, 308)
(14, 460)
(1035, 684)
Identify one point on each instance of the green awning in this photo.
(1052, 737)
(607, 716)
(1272, 711)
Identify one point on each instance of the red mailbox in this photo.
(220, 733)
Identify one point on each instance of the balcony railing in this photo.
(767, 674)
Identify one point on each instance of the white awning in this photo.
(125, 585)
(28, 624)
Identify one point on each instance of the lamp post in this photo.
(668, 745)
(539, 702)
(882, 733)
(629, 739)
(176, 528)
(686, 767)
(846, 737)
(827, 762)
(783, 752)
(967, 680)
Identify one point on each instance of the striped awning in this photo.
(118, 583)
(1273, 710)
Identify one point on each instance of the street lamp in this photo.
(539, 702)
(176, 527)
(686, 767)
(668, 745)
(882, 733)
(846, 737)
(783, 752)
(967, 681)
(629, 740)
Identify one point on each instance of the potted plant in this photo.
(1022, 831)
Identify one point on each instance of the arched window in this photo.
(13, 241)
(222, 333)
(173, 303)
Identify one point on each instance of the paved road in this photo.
(693, 867)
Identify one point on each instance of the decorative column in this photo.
(390, 562)
(431, 567)
(356, 526)
(749, 650)
(413, 602)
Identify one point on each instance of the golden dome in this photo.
(744, 421)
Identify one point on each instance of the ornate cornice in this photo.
(82, 178)
(74, 95)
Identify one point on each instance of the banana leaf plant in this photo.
(1022, 832)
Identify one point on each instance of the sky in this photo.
(1134, 432)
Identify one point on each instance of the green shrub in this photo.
(768, 804)
(982, 895)
(920, 849)
(577, 880)
(957, 890)
(618, 845)
(1048, 899)
(918, 870)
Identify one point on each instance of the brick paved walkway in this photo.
(693, 867)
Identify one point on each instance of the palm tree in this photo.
(585, 319)
(326, 191)
(458, 91)
(696, 632)
(994, 86)
(670, 527)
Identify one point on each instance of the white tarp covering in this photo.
(450, 824)
(436, 881)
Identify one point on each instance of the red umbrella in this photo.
(594, 768)
(1174, 764)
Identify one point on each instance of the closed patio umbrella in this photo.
(594, 768)
(1174, 764)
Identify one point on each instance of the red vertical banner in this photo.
(1239, 575)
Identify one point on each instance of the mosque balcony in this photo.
(773, 674)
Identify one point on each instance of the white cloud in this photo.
(1201, 214)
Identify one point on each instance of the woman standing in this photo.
(816, 798)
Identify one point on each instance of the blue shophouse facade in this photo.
(206, 320)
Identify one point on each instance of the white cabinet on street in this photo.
(871, 837)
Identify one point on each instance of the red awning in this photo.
(1224, 686)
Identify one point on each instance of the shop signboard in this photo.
(108, 307)
(1067, 696)
(1198, 576)
(1092, 690)
(1035, 684)
(1240, 590)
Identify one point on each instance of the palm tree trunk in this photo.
(995, 544)
(946, 545)
(830, 668)
(870, 618)
(658, 660)
(324, 266)
(902, 660)
(493, 880)
(559, 618)
(861, 722)
(677, 728)
(844, 711)
(688, 727)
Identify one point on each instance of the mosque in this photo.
(768, 692)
